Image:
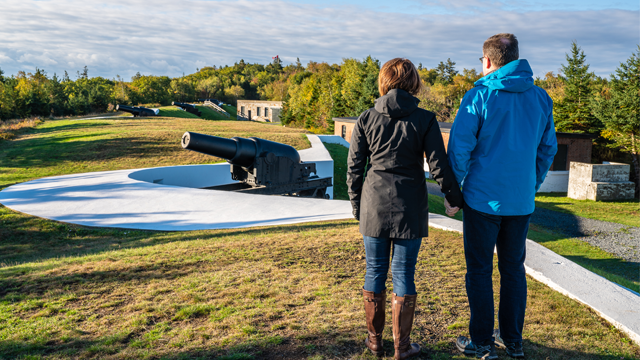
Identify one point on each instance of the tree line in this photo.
(314, 94)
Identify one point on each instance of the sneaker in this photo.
(467, 347)
(513, 349)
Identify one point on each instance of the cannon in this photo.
(261, 166)
(137, 111)
(188, 108)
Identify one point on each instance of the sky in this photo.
(169, 37)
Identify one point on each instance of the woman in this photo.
(388, 146)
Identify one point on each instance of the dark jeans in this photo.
(403, 264)
(508, 234)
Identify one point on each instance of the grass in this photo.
(210, 114)
(274, 292)
(71, 292)
(58, 147)
(621, 212)
(176, 112)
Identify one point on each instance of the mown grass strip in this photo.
(621, 212)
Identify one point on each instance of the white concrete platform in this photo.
(170, 198)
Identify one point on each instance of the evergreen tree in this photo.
(446, 71)
(620, 111)
(573, 113)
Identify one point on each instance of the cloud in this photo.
(169, 38)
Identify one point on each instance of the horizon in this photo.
(169, 39)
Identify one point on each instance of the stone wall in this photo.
(578, 149)
(255, 110)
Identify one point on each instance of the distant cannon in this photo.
(188, 108)
(262, 166)
(137, 111)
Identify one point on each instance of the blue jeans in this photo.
(403, 264)
(508, 234)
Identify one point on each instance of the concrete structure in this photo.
(170, 198)
(259, 110)
(600, 182)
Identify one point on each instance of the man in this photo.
(500, 148)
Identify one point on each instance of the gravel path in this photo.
(623, 241)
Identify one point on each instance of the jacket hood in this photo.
(396, 103)
(515, 76)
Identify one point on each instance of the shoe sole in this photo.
(465, 351)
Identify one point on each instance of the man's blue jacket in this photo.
(503, 141)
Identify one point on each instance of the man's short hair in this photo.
(501, 49)
(399, 73)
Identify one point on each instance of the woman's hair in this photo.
(399, 73)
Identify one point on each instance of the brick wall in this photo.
(578, 150)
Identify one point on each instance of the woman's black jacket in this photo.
(393, 137)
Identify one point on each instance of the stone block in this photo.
(600, 182)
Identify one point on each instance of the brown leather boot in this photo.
(402, 309)
(374, 305)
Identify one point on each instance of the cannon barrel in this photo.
(136, 110)
(126, 108)
(237, 150)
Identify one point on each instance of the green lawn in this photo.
(293, 292)
(622, 212)
(210, 114)
(175, 112)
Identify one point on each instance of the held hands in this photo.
(450, 210)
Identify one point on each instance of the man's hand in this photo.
(450, 210)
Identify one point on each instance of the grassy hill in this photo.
(210, 114)
(176, 112)
(278, 292)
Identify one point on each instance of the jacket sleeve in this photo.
(463, 136)
(546, 149)
(356, 162)
(439, 165)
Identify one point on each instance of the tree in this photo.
(236, 91)
(620, 112)
(573, 113)
(446, 71)
(209, 86)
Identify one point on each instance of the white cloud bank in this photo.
(169, 37)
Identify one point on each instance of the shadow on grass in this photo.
(590, 257)
(336, 345)
(27, 238)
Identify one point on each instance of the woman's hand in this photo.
(450, 210)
